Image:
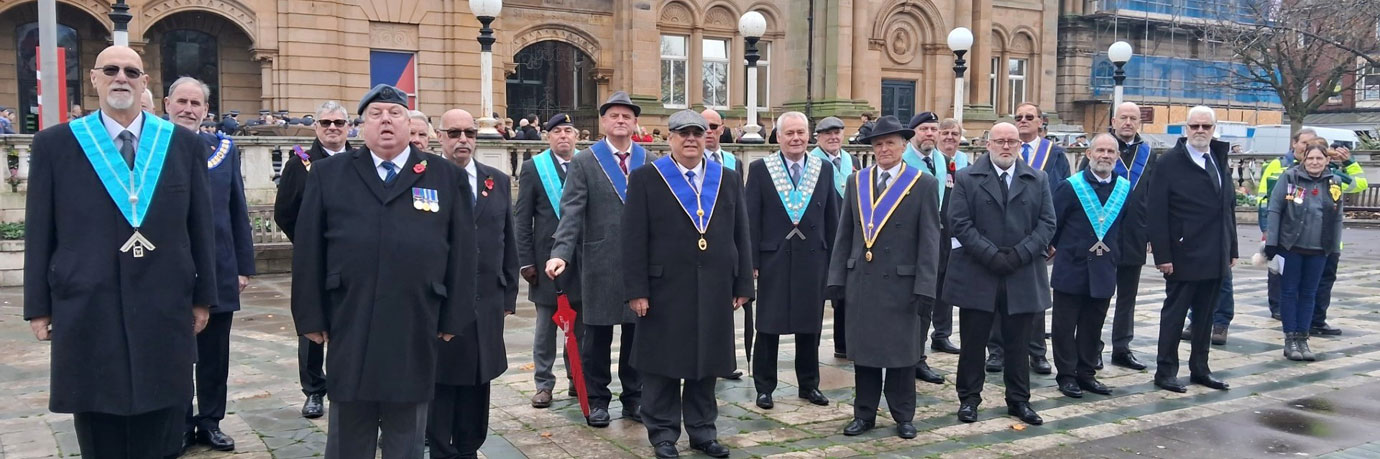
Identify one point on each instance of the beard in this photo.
(1201, 145)
(1102, 168)
(120, 102)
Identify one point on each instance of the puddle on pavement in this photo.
(1314, 404)
(1293, 422)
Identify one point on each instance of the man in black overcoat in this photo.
(378, 277)
(1192, 230)
(794, 212)
(459, 415)
(687, 267)
(119, 264)
(331, 119)
(1136, 164)
(885, 261)
(1001, 212)
(829, 136)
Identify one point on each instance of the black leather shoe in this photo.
(736, 375)
(1186, 335)
(218, 440)
(765, 402)
(815, 397)
(1023, 411)
(1209, 381)
(1325, 329)
(924, 373)
(1098, 364)
(1127, 360)
(1091, 384)
(314, 407)
(632, 413)
(1275, 315)
(944, 345)
(713, 448)
(1172, 385)
(967, 411)
(666, 449)
(1040, 365)
(858, 427)
(188, 439)
(598, 417)
(840, 355)
(994, 363)
(572, 392)
(1070, 388)
(905, 430)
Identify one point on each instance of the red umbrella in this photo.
(565, 319)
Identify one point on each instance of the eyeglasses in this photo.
(456, 133)
(1025, 117)
(130, 72)
(1200, 127)
(714, 127)
(1005, 142)
(328, 123)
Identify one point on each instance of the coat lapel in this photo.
(989, 183)
(406, 177)
(481, 203)
(1018, 184)
(364, 165)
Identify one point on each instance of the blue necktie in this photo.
(690, 177)
(1025, 153)
(795, 174)
(392, 172)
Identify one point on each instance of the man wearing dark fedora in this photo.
(885, 261)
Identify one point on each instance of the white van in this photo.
(1274, 138)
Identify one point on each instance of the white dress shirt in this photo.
(699, 173)
(893, 173)
(790, 164)
(330, 153)
(397, 161)
(114, 128)
(473, 173)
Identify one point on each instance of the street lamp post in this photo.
(486, 11)
(120, 17)
(1119, 53)
(752, 25)
(960, 41)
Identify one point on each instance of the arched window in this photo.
(27, 42)
(192, 53)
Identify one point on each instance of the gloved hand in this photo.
(834, 292)
(1270, 251)
(1001, 262)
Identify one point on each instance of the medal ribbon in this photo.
(550, 179)
(875, 211)
(1041, 155)
(148, 162)
(795, 198)
(1100, 215)
(700, 211)
(604, 154)
(842, 172)
(1137, 165)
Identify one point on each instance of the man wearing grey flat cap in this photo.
(686, 267)
(379, 279)
(829, 140)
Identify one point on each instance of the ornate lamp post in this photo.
(119, 15)
(752, 25)
(1119, 53)
(486, 11)
(960, 41)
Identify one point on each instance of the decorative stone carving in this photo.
(388, 35)
(676, 13)
(558, 32)
(720, 18)
(233, 10)
(100, 10)
(902, 39)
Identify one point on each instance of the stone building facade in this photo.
(826, 57)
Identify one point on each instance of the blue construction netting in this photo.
(1180, 78)
(1230, 10)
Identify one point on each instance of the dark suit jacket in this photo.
(478, 355)
(983, 223)
(382, 277)
(1192, 223)
(1076, 270)
(122, 326)
(291, 183)
(792, 271)
(536, 226)
(230, 212)
(1133, 238)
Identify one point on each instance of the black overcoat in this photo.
(536, 226)
(1133, 238)
(123, 339)
(230, 211)
(1076, 270)
(382, 277)
(478, 355)
(1191, 222)
(791, 272)
(688, 330)
(291, 183)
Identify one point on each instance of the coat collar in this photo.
(984, 167)
(364, 165)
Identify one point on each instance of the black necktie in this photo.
(1212, 171)
(929, 162)
(1004, 187)
(127, 147)
(881, 182)
(838, 162)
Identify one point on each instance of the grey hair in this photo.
(418, 115)
(1205, 110)
(1100, 136)
(205, 90)
(801, 116)
(1302, 131)
(331, 106)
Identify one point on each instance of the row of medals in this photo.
(424, 205)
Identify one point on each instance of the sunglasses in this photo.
(1025, 117)
(328, 123)
(1200, 127)
(130, 72)
(456, 133)
(714, 127)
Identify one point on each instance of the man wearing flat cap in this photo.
(885, 261)
(829, 137)
(923, 153)
(591, 225)
(378, 278)
(686, 267)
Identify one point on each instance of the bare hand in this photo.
(40, 327)
(1343, 154)
(445, 336)
(1233, 263)
(529, 274)
(1050, 256)
(200, 314)
(244, 282)
(320, 337)
(639, 306)
(554, 267)
(1166, 268)
(754, 274)
(739, 301)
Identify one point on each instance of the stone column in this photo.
(265, 59)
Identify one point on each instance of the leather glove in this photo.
(1001, 263)
(834, 292)
(1013, 258)
(1270, 251)
(925, 303)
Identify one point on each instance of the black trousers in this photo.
(943, 314)
(975, 329)
(1076, 331)
(806, 361)
(840, 328)
(596, 357)
(311, 363)
(141, 436)
(996, 343)
(1124, 320)
(898, 386)
(1272, 281)
(926, 318)
(457, 421)
(1324, 300)
(212, 371)
(1202, 295)
(668, 401)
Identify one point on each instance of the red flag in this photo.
(565, 319)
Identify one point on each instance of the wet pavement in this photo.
(1275, 408)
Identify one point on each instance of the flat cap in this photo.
(382, 93)
(922, 118)
(685, 119)
(620, 98)
(559, 120)
(827, 124)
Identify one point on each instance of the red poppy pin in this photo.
(420, 167)
(488, 185)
